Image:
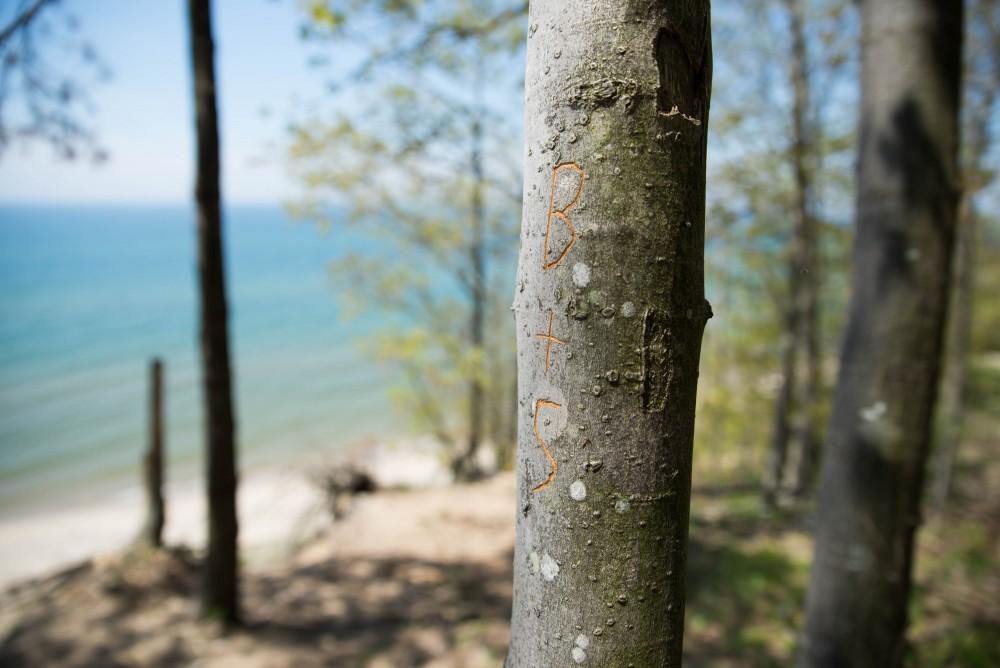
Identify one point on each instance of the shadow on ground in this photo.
(385, 612)
(747, 575)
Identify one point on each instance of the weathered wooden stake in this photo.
(152, 532)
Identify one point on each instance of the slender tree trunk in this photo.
(795, 408)
(477, 257)
(956, 355)
(152, 532)
(807, 438)
(508, 398)
(781, 433)
(220, 590)
(494, 405)
(805, 266)
(869, 501)
(610, 311)
(23, 19)
(982, 84)
(502, 393)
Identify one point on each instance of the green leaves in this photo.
(324, 16)
(414, 159)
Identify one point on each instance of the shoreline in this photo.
(280, 508)
(45, 540)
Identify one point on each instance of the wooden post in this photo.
(152, 533)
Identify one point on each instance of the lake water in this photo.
(88, 294)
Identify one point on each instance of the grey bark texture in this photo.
(220, 583)
(152, 531)
(610, 311)
(869, 500)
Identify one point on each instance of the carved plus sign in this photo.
(549, 340)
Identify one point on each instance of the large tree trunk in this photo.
(869, 502)
(152, 531)
(220, 591)
(610, 311)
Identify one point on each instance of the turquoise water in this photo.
(88, 294)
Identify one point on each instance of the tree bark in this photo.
(610, 311)
(873, 471)
(220, 590)
(152, 532)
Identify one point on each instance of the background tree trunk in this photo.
(805, 267)
(795, 408)
(220, 592)
(610, 311)
(873, 470)
(980, 87)
(956, 354)
(478, 312)
(152, 532)
(774, 471)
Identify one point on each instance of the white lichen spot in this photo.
(581, 275)
(579, 655)
(578, 490)
(549, 568)
(874, 412)
(622, 506)
(628, 309)
(582, 641)
(913, 254)
(533, 558)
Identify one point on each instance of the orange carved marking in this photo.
(539, 405)
(561, 213)
(549, 340)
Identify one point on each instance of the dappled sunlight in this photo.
(480, 333)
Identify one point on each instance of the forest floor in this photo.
(423, 578)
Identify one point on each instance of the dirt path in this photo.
(423, 578)
(407, 579)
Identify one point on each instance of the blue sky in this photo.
(144, 115)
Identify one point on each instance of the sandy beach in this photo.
(409, 577)
(280, 506)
